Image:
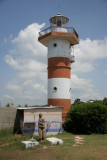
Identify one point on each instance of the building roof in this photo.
(40, 107)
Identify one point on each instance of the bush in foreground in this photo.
(87, 118)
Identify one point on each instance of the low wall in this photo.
(7, 117)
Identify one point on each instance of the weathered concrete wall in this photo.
(7, 117)
(52, 116)
(25, 120)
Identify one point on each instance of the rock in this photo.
(54, 140)
(29, 144)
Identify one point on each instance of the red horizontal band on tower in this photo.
(59, 61)
(59, 73)
(65, 103)
(59, 67)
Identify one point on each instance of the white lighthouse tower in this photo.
(59, 38)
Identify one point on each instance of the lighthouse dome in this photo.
(59, 20)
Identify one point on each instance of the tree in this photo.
(19, 105)
(7, 105)
(105, 101)
(77, 101)
(26, 105)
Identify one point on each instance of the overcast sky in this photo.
(23, 60)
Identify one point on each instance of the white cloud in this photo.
(8, 97)
(34, 91)
(83, 89)
(86, 53)
(82, 67)
(40, 87)
(28, 92)
(9, 59)
(28, 57)
(26, 43)
(27, 83)
(106, 71)
(25, 64)
(12, 87)
(27, 74)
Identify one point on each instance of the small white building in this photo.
(29, 119)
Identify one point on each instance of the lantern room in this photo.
(59, 20)
(58, 30)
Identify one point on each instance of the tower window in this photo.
(55, 89)
(55, 45)
(59, 23)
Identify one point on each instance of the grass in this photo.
(93, 148)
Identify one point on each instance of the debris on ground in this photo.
(45, 147)
(30, 143)
(54, 140)
(78, 141)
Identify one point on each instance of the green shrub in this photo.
(6, 132)
(87, 118)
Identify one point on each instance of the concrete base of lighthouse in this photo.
(65, 103)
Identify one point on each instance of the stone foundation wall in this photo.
(7, 117)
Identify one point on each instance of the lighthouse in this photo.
(59, 39)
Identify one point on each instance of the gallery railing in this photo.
(58, 29)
